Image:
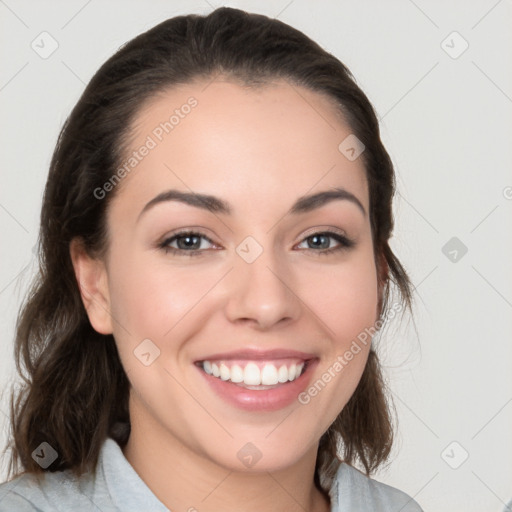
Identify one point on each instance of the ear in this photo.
(91, 276)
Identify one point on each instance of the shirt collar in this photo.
(127, 489)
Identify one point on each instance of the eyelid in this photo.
(322, 229)
(196, 230)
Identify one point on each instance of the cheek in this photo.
(344, 297)
(148, 299)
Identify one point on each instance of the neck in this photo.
(184, 480)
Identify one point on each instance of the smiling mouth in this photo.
(257, 374)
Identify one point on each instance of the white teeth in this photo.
(237, 374)
(224, 372)
(251, 375)
(207, 367)
(269, 375)
(282, 375)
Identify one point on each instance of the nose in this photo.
(262, 292)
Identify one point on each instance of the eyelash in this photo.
(344, 243)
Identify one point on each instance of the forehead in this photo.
(222, 138)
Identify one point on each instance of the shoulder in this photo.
(113, 486)
(352, 490)
(42, 493)
(55, 491)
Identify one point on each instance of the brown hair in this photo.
(76, 391)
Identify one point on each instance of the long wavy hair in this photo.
(75, 391)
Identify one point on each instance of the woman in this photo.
(214, 265)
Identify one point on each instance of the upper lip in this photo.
(257, 354)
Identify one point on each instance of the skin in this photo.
(260, 150)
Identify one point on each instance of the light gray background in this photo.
(447, 123)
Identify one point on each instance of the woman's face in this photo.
(265, 284)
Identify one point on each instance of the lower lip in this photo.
(262, 399)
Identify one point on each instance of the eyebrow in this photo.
(216, 205)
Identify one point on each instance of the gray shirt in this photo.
(117, 487)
